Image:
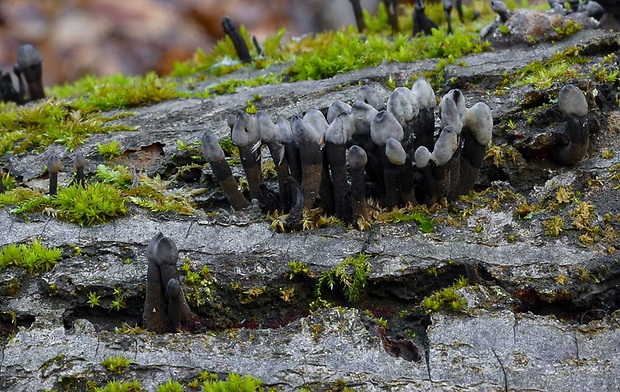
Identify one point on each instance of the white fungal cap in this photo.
(424, 93)
(316, 119)
(362, 114)
(370, 96)
(266, 128)
(450, 116)
(340, 130)
(210, 147)
(445, 146)
(479, 121)
(304, 132)
(403, 105)
(422, 156)
(245, 132)
(498, 6)
(28, 55)
(384, 126)
(356, 157)
(395, 152)
(336, 108)
(459, 99)
(572, 101)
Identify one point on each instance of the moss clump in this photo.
(118, 91)
(109, 150)
(448, 298)
(118, 386)
(352, 273)
(34, 127)
(87, 206)
(235, 383)
(116, 364)
(33, 257)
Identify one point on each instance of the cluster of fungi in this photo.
(390, 151)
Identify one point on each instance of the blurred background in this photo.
(103, 37)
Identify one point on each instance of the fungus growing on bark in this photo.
(53, 167)
(235, 36)
(311, 158)
(246, 137)
(165, 307)
(356, 157)
(213, 153)
(572, 103)
(30, 62)
(269, 135)
(79, 163)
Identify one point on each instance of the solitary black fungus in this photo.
(30, 61)
(162, 255)
(291, 147)
(53, 167)
(213, 153)
(572, 102)
(269, 135)
(356, 158)
(311, 158)
(370, 96)
(235, 36)
(422, 23)
(79, 163)
(404, 170)
(424, 124)
(477, 133)
(336, 108)
(336, 138)
(246, 137)
(359, 15)
(500, 9)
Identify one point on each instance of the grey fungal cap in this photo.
(245, 132)
(362, 114)
(370, 96)
(53, 163)
(27, 56)
(424, 93)
(422, 156)
(395, 152)
(356, 157)
(337, 108)
(304, 132)
(384, 126)
(315, 118)
(572, 101)
(266, 128)
(285, 134)
(210, 147)
(479, 121)
(78, 160)
(450, 114)
(445, 146)
(403, 105)
(339, 131)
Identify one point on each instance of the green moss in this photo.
(568, 28)
(33, 257)
(97, 203)
(116, 364)
(121, 386)
(118, 91)
(109, 150)
(34, 127)
(351, 274)
(297, 269)
(447, 298)
(93, 299)
(562, 67)
(234, 383)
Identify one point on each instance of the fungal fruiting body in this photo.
(336, 138)
(79, 162)
(445, 147)
(30, 61)
(477, 133)
(165, 307)
(383, 127)
(397, 156)
(424, 124)
(311, 158)
(370, 96)
(356, 157)
(53, 167)
(246, 137)
(269, 135)
(572, 103)
(213, 153)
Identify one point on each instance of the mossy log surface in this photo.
(542, 310)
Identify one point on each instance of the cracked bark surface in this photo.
(498, 344)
